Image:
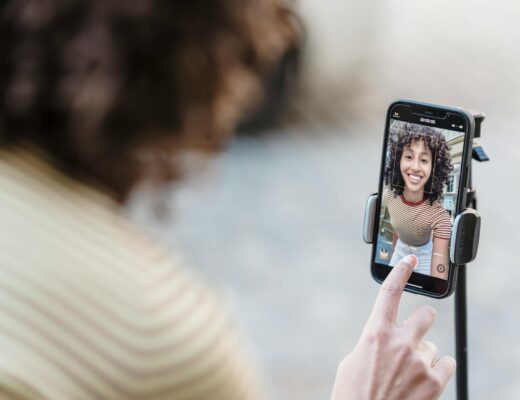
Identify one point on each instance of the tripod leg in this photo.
(461, 336)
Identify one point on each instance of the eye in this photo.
(407, 157)
(425, 161)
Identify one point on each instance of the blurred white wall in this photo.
(370, 52)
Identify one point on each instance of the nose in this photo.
(415, 165)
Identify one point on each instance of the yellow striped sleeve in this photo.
(91, 308)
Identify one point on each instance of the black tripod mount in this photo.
(461, 328)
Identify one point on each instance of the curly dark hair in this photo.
(403, 134)
(112, 90)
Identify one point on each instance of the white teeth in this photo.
(414, 178)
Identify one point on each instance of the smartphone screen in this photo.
(422, 188)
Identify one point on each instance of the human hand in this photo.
(390, 361)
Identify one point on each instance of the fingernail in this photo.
(411, 260)
(432, 310)
(453, 362)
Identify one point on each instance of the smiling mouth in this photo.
(414, 178)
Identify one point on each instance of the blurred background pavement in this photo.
(278, 217)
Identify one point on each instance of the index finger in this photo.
(387, 301)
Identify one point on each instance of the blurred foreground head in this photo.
(113, 90)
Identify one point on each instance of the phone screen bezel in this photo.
(419, 283)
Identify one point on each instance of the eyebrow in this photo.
(408, 148)
(424, 153)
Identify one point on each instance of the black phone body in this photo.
(421, 137)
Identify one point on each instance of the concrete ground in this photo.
(275, 223)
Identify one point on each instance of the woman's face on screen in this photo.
(416, 165)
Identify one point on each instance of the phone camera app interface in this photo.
(421, 178)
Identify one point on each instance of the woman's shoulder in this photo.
(439, 213)
(147, 295)
(437, 206)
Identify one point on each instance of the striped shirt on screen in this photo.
(416, 223)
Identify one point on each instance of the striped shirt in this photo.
(415, 223)
(91, 308)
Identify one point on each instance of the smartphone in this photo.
(422, 188)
